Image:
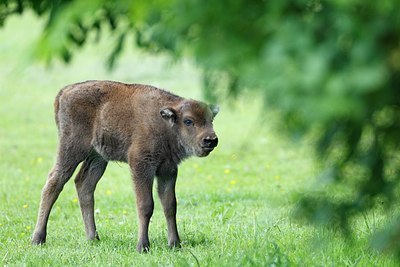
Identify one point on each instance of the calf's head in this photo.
(193, 123)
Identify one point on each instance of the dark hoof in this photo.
(174, 244)
(143, 247)
(94, 238)
(38, 240)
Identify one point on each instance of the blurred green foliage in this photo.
(330, 67)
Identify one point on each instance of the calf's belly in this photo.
(111, 147)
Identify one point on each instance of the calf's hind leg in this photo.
(68, 159)
(85, 182)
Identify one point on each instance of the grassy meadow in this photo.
(234, 207)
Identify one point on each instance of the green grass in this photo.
(234, 207)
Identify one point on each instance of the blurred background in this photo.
(309, 90)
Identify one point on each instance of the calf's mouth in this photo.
(207, 148)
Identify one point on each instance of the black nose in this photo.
(210, 141)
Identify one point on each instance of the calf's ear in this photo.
(169, 115)
(214, 109)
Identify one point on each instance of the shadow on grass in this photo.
(195, 239)
(158, 243)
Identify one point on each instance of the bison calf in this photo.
(150, 129)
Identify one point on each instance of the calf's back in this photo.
(112, 116)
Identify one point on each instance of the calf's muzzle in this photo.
(210, 141)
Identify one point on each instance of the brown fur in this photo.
(146, 127)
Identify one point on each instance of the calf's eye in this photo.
(188, 122)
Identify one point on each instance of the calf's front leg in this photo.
(143, 177)
(166, 190)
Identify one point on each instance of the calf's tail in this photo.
(57, 107)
